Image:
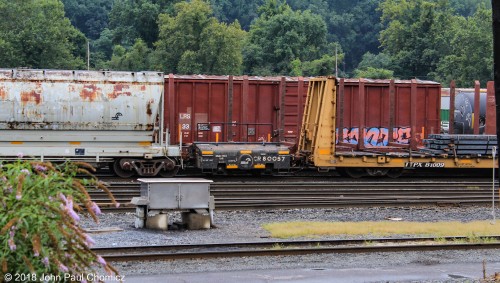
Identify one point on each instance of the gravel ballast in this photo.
(246, 226)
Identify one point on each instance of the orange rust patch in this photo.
(30, 97)
(143, 88)
(3, 93)
(89, 92)
(118, 90)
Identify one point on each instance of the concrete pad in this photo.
(159, 222)
(196, 221)
(140, 217)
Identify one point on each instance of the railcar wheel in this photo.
(117, 168)
(169, 173)
(377, 172)
(341, 172)
(355, 172)
(395, 173)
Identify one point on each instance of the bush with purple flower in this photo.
(40, 208)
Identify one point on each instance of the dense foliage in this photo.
(280, 36)
(36, 34)
(193, 41)
(40, 233)
(428, 39)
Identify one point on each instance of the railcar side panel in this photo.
(234, 108)
(63, 100)
(102, 117)
(366, 112)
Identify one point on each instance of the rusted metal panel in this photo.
(490, 128)
(244, 109)
(262, 106)
(392, 96)
(79, 100)
(295, 97)
(379, 111)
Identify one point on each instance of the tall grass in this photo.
(384, 228)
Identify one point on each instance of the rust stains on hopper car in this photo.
(149, 111)
(3, 93)
(30, 97)
(118, 90)
(89, 92)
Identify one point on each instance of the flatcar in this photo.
(317, 145)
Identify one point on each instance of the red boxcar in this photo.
(234, 108)
(251, 109)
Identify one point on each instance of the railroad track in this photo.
(288, 248)
(271, 195)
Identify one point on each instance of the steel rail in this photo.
(282, 248)
(262, 195)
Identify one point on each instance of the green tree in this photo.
(373, 73)
(193, 41)
(468, 8)
(380, 60)
(136, 59)
(36, 34)
(471, 57)
(101, 49)
(321, 67)
(375, 66)
(89, 16)
(415, 34)
(280, 36)
(229, 11)
(118, 58)
(130, 20)
(355, 25)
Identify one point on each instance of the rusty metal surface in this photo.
(279, 101)
(491, 118)
(79, 100)
(259, 108)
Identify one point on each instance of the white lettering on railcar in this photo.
(269, 158)
(424, 164)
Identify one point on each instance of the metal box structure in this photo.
(175, 193)
(190, 195)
